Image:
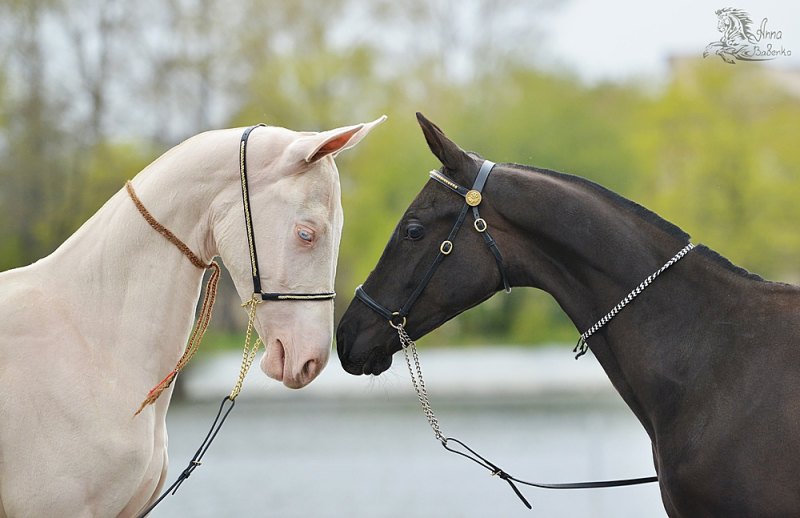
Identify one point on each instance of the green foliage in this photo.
(106, 168)
(720, 153)
(714, 151)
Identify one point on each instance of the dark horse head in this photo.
(707, 358)
(467, 277)
(537, 228)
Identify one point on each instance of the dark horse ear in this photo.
(449, 154)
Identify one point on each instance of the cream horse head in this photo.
(295, 199)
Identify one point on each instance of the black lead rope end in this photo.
(482, 461)
(222, 414)
(505, 476)
(580, 348)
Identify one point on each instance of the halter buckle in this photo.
(480, 225)
(446, 247)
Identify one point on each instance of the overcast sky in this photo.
(620, 39)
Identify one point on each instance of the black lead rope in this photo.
(502, 474)
(197, 459)
(482, 461)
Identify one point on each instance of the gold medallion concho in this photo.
(473, 198)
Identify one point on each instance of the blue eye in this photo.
(305, 234)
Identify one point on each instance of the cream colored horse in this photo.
(87, 331)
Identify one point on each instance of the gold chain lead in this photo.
(249, 351)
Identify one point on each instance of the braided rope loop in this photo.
(581, 347)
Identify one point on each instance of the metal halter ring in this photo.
(480, 225)
(446, 247)
(397, 326)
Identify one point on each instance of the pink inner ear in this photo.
(333, 145)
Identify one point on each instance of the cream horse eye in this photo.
(305, 234)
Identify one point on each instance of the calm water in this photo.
(373, 458)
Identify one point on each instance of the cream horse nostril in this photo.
(310, 369)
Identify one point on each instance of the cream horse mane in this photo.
(87, 331)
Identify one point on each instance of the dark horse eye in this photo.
(415, 231)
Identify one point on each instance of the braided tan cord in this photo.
(194, 340)
(172, 238)
(206, 309)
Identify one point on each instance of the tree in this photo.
(720, 146)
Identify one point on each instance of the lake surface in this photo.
(375, 457)
(356, 446)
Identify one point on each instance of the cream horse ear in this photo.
(334, 141)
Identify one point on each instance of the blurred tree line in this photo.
(93, 90)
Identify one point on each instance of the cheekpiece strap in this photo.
(248, 217)
(251, 241)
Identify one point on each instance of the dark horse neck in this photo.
(588, 248)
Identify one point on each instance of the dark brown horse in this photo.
(707, 357)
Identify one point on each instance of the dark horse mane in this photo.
(640, 211)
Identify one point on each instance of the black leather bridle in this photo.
(472, 199)
(248, 221)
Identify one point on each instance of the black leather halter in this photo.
(248, 221)
(472, 199)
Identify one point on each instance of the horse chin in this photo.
(356, 347)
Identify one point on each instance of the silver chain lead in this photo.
(419, 384)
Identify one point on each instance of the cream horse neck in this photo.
(134, 272)
(112, 309)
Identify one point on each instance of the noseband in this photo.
(251, 242)
(472, 199)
